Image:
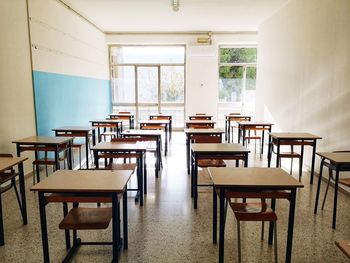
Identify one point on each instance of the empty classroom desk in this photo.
(208, 151)
(250, 180)
(190, 132)
(234, 118)
(77, 131)
(228, 118)
(99, 185)
(200, 117)
(162, 116)
(116, 125)
(47, 144)
(7, 163)
(293, 138)
(200, 124)
(124, 116)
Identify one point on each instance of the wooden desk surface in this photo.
(199, 121)
(37, 140)
(154, 121)
(8, 162)
(294, 135)
(254, 177)
(204, 131)
(120, 146)
(234, 114)
(219, 147)
(344, 246)
(74, 129)
(142, 132)
(107, 121)
(199, 116)
(340, 158)
(84, 181)
(238, 116)
(161, 115)
(255, 123)
(122, 114)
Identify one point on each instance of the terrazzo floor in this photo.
(168, 229)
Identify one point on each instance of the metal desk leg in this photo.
(195, 181)
(43, 224)
(290, 226)
(278, 154)
(269, 152)
(166, 140)
(215, 216)
(319, 186)
(2, 239)
(125, 218)
(226, 129)
(188, 153)
(335, 197)
(313, 162)
(222, 225)
(87, 150)
(23, 194)
(115, 228)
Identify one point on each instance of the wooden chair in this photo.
(6, 176)
(331, 167)
(258, 212)
(344, 246)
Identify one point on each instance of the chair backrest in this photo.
(206, 138)
(124, 112)
(6, 155)
(126, 140)
(160, 118)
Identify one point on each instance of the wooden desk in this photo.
(116, 125)
(344, 246)
(77, 131)
(153, 135)
(198, 117)
(293, 138)
(234, 118)
(228, 123)
(190, 132)
(200, 124)
(252, 179)
(86, 183)
(7, 163)
(213, 151)
(245, 126)
(339, 160)
(115, 148)
(49, 144)
(124, 116)
(163, 116)
(156, 124)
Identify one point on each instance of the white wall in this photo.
(303, 70)
(62, 42)
(16, 100)
(201, 64)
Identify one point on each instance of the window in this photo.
(237, 80)
(149, 79)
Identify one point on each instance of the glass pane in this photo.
(238, 55)
(230, 83)
(145, 111)
(131, 109)
(123, 84)
(147, 84)
(251, 78)
(148, 54)
(172, 83)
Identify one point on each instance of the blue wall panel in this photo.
(63, 100)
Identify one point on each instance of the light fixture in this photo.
(175, 4)
(205, 40)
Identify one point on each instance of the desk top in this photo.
(161, 115)
(112, 121)
(339, 157)
(232, 114)
(142, 132)
(154, 121)
(238, 116)
(255, 123)
(39, 140)
(84, 181)
(204, 131)
(219, 147)
(8, 162)
(254, 177)
(74, 129)
(120, 146)
(199, 121)
(294, 135)
(122, 114)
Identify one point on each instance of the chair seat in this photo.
(44, 161)
(345, 181)
(290, 155)
(6, 176)
(211, 163)
(122, 166)
(253, 212)
(152, 127)
(87, 218)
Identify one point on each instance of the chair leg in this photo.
(262, 230)
(275, 241)
(326, 192)
(239, 241)
(291, 166)
(33, 174)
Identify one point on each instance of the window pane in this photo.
(230, 83)
(251, 78)
(237, 55)
(147, 84)
(172, 83)
(177, 113)
(146, 55)
(123, 84)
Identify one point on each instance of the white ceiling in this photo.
(193, 15)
